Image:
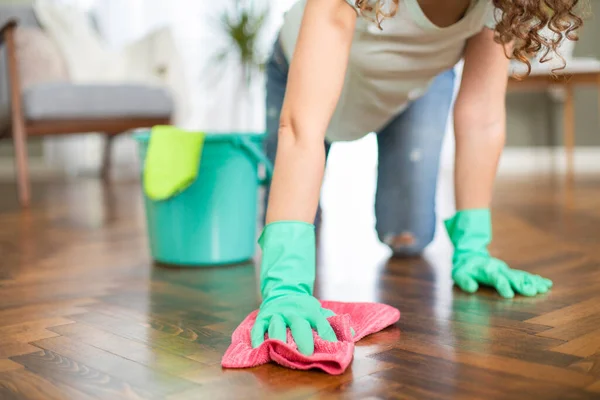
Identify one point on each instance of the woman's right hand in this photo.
(287, 278)
(301, 313)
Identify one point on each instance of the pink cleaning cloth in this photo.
(332, 358)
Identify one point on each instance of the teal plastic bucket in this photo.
(213, 221)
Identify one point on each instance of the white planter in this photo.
(231, 105)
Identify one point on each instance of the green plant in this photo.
(243, 26)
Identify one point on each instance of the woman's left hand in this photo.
(472, 265)
(469, 271)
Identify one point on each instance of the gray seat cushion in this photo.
(69, 101)
(22, 13)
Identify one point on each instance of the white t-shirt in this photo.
(391, 67)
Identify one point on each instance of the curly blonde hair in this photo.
(521, 24)
(376, 12)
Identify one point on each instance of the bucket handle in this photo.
(258, 156)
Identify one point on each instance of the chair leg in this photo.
(106, 157)
(21, 163)
(569, 131)
(18, 124)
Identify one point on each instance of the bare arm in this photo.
(479, 121)
(315, 82)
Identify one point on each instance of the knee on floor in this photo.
(406, 244)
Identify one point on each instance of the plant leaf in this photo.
(243, 28)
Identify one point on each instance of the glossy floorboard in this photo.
(85, 315)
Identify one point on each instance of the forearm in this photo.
(315, 82)
(480, 121)
(478, 149)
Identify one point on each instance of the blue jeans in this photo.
(409, 152)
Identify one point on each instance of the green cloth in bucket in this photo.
(172, 161)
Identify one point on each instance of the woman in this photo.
(343, 68)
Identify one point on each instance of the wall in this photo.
(534, 119)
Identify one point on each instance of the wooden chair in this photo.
(69, 108)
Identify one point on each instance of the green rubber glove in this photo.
(471, 232)
(287, 278)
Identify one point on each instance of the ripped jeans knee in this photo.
(406, 243)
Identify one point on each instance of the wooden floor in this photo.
(85, 315)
